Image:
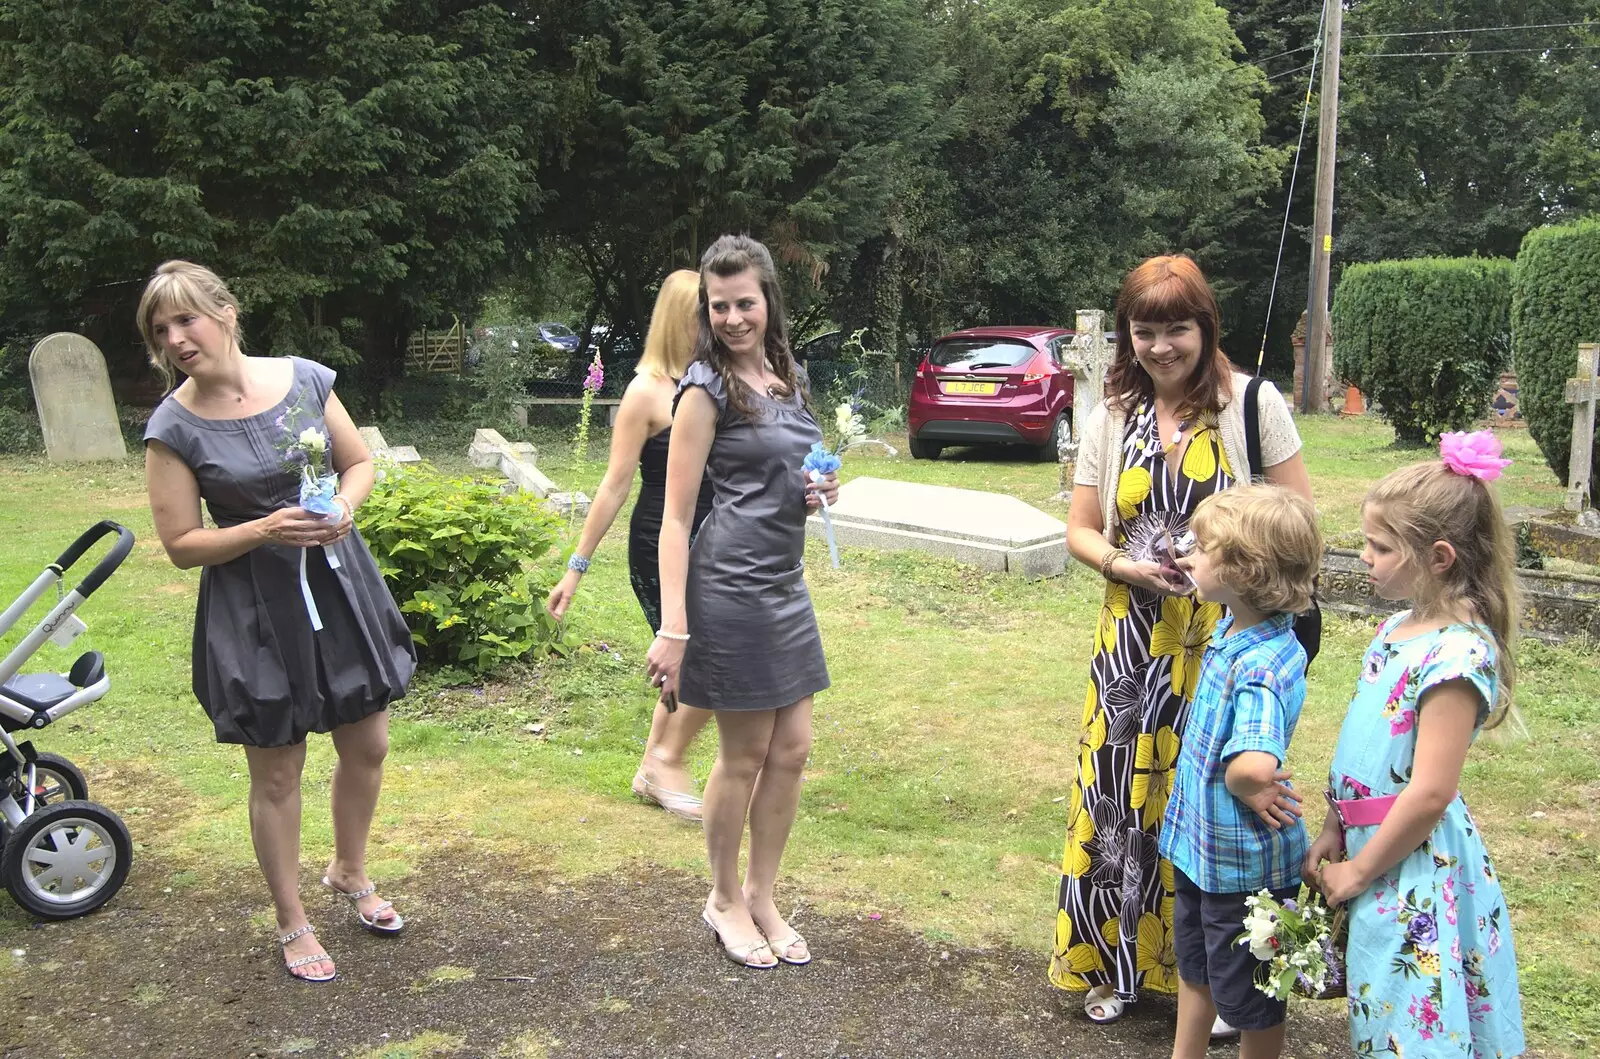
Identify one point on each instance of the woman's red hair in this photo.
(1160, 291)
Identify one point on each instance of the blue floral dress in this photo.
(1431, 967)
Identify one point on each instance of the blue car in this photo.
(559, 335)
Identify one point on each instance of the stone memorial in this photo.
(991, 531)
(518, 461)
(72, 392)
(1582, 392)
(382, 450)
(1088, 358)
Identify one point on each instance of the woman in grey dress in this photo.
(738, 635)
(295, 631)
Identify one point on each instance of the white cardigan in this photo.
(1100, 452)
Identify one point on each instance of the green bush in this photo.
(19, 432)
(1555, 304)
(460, 556)
(1426, 338)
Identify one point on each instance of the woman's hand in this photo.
(1148, 575)
(1341, 881)
(1328, 848)
(662, 663)
(816, 492)
(298, 528)
(560, 597)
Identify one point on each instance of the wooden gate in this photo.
(437, 351)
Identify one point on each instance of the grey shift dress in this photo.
(264, 676)
(754, 643)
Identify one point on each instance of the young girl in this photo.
(1431, 970)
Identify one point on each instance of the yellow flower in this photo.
(1183, 632)
(1075, 860)
(1428, 962)
(1113, 610)
(1132, 488)
(1091, 737)
(1069, 962)
(1157, 958)
(1112, 932)
(1200, 458)
(1155, 760)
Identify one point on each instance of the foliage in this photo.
(1449, 156)
(1555, 304)
(19, 431)
(335, 160)
(501, 371)
(460, 555)
(1426, 338)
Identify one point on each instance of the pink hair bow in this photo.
(1476, 455)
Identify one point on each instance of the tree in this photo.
(354, 168)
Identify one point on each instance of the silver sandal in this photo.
(385, 927)
(683, 806)
(780, 949)
(317, 957)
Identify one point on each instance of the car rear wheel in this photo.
(925, 450)
(1060, 431)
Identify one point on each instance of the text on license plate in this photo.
(971, 387)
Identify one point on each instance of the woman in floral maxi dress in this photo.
(1170, 437)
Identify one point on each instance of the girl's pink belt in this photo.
(1360, 812)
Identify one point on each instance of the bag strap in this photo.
(1252, 426)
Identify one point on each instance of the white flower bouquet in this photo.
(1295, 944)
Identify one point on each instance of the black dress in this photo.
(644, 528)
(264, 673)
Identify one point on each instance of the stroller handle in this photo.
(107, 565)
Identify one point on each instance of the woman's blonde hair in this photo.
(674, 325)
(1264, 543)
(1428, 503)
(179, 286)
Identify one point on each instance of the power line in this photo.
(1481, 51)
(1290, 73)
(1473, 29)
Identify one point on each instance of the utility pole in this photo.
(1312, 398)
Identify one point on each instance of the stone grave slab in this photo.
(991, 531)
(381, 449)
(72, 392)
(517, 461)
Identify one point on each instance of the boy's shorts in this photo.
(1204, 927)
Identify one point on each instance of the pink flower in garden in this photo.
(1476, 455)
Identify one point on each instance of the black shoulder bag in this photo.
(1307, 626)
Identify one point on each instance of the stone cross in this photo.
(382, 450)
(1583, 392)
(1088, 357)
(72, 392)
(518, 462)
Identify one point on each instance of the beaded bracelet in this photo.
(1109, 559)
(682, 636)
(349, 511)
(580, 563)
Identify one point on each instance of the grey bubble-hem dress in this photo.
(264, 675)
(754, 643)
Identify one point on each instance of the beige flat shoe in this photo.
(683, 806)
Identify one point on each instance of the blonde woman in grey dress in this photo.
(295, 631)
(738, 634)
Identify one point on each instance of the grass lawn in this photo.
(943, 757)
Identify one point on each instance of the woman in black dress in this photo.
(639, 440)
(295, 631)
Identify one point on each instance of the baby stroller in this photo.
(63, 855)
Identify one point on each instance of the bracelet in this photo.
(349, 509)
(580, 563)
(680, 636)
(1109, 559)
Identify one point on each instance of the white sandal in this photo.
(683, 806)
(1109, 1005)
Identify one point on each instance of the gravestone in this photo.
(992, 531)
(382, 450)
(73, 395)
(1088, 358)
(1582, 392)
(518, 462)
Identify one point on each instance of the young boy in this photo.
(1233, 826)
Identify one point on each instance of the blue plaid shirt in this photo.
(1249, 695)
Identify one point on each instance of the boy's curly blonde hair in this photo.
(1264, 543)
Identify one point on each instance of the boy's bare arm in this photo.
(1253, 777)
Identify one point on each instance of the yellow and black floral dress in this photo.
(1114, 924)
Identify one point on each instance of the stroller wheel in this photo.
(55, 780)
(66, 859)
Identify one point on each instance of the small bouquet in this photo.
(1295, 945)
(309, 450)
(822, 461)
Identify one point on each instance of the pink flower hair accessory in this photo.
(1476, 455)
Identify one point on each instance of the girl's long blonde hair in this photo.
(184, 286)
(1426, 503)
(674, 326)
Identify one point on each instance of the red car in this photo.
(993, 385)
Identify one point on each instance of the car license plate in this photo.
(971, 387)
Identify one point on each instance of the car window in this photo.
(559, 330)
(970, 354)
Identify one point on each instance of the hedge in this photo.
(1426, 339)
(1555, 304)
